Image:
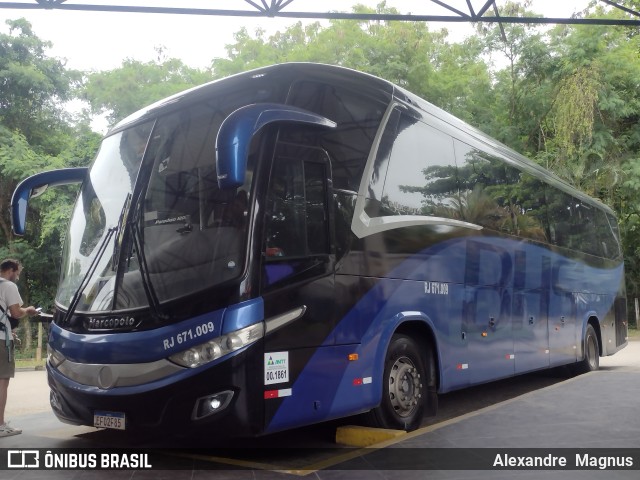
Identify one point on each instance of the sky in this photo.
(93, 41)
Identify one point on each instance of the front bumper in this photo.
(169, 403)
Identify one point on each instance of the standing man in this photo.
(11, 305)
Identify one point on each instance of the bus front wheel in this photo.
(404, 390)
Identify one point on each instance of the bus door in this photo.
(529, 311)
(297, 283)
(565, 276)
(487, 312)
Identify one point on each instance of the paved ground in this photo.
(28, 394)
(597, 410)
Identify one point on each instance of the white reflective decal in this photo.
(276, 367)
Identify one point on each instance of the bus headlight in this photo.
(218, 347)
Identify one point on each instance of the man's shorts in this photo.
(7, 368)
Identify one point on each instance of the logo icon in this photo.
(23, 459)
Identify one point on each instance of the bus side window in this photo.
(583, 230)
(421, 177)
(560, 213)
(526, 205)
(358, 116)
(484, 180)
(607, 235)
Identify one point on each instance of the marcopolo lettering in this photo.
(110, 323)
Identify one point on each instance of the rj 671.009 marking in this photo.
(188, 334)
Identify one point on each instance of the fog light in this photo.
(211, 404)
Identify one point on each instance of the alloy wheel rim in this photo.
(404, 387)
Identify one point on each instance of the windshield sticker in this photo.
(276, 367)
(181, 218)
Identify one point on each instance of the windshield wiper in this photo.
(89, 273)
(99, 254)
(147, 284)
(117, 245)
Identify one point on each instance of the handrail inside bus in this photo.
(237, 130)
(36, 185)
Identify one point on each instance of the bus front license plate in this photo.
(113, 420)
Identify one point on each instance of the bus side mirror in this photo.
(237, 130)
(35, 186)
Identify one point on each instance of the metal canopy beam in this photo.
(446, 11)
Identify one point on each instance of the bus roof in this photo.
(284, 71)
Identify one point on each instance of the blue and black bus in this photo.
(304, 242)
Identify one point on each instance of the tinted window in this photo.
(421, 178)
(358, 117)
(485, 188)
(563, 218)
(526, 206)
(297, 220)
(583, 231)
(105, 196)
(193, 233)
(381, 165)
(572, 223)
(581, 226)
(500, 196)
(607, 234)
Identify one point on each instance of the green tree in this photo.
(34, 88)
(136, 84)
(35, 135)
(523, 79)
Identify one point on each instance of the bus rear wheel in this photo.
(591, 361)
(404, 392)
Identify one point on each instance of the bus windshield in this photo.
(174, 234)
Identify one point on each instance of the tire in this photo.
(404, 387)
(591, 361)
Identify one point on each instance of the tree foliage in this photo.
(574, 112)
(120, 92)
(35, 135)
(33, 87)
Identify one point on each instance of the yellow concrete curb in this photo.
(355, 436)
